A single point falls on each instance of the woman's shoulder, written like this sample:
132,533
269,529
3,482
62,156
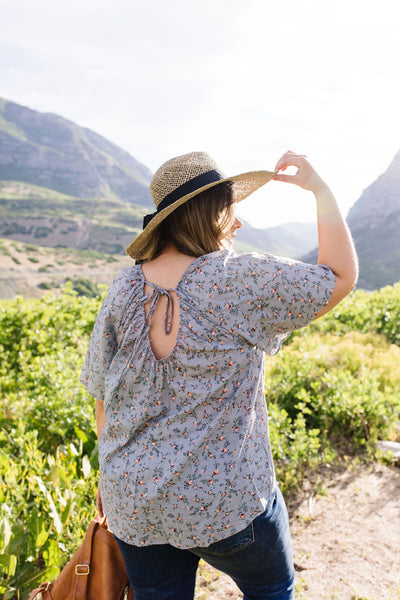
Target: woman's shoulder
232,261
125,283
232,271
128,275
253,270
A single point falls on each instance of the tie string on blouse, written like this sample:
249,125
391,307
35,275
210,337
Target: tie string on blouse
154,297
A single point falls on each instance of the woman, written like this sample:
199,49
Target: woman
176,364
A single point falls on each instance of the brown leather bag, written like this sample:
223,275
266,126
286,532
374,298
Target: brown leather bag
95,572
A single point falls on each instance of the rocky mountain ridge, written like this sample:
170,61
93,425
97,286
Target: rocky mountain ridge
375,224
380,199
374,221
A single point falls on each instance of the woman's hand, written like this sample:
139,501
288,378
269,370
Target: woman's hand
99,503
306,177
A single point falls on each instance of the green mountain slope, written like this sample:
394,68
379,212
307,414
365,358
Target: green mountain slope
47,150
41,216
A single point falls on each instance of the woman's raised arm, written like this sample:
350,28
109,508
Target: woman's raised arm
336,247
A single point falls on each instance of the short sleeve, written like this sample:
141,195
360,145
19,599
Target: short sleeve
279,296
103,346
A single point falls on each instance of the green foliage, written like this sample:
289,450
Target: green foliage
85,287
333,395
48,463
333,389
45,501
295,447
42,344
338,380
46,285
366,312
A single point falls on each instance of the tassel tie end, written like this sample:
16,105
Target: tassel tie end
154,297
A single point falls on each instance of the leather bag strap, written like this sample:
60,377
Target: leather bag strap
82,569
44,587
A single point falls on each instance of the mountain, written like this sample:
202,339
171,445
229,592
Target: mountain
63,185
374,221
49,151
290,239
71,202
37,215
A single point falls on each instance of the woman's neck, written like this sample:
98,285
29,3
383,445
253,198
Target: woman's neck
167,268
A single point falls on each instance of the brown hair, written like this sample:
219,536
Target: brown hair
194,228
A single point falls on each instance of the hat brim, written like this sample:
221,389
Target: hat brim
243,185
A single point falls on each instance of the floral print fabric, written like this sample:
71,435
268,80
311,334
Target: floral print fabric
184,455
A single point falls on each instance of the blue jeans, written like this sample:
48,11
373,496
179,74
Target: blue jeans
258,559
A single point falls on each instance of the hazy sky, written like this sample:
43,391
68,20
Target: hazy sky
244,81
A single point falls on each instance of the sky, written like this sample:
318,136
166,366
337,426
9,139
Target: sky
244,81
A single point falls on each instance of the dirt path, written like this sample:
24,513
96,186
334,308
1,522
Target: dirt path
346,541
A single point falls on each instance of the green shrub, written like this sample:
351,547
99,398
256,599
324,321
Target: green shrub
46,500
347,388
48,464
295,447
85,287
366,312
46,285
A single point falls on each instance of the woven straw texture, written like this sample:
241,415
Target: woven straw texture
181,169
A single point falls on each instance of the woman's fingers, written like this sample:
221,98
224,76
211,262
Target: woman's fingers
286,178
290,159
305,176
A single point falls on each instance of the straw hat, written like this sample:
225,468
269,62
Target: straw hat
183,177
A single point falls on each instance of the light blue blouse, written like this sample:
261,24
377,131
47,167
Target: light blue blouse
184,455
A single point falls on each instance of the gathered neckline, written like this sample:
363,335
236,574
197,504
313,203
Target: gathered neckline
168,315
192,265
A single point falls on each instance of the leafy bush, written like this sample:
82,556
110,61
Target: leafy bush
48,465
295,447
345,389
42,344
366,312
46,500
46,285
86,287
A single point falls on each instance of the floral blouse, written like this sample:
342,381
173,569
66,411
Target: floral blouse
184,454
